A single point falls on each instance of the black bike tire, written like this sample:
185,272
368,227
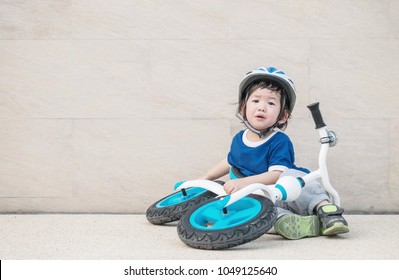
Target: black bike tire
161,215
227,238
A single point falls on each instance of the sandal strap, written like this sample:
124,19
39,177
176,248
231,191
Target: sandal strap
329,210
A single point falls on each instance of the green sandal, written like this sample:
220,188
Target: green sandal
331,220
292,226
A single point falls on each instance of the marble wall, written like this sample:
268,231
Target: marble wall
104,104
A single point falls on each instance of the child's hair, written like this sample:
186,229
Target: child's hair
274,87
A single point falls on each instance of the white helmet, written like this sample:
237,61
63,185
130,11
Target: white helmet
271,74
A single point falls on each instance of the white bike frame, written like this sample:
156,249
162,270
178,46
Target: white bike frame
287,188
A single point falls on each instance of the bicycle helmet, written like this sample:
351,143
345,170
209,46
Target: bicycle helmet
271,74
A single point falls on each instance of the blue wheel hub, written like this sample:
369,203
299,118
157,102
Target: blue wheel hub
179,197
212,217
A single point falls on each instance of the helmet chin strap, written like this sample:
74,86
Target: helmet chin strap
260,133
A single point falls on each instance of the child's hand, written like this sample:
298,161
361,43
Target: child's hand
233,185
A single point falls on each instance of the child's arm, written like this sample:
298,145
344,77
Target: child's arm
221,169
267,178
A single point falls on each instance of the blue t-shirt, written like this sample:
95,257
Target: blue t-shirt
252,158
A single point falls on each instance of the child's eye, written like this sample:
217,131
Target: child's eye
272,103
255,101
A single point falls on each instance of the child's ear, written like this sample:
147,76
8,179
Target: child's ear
284,117
242,109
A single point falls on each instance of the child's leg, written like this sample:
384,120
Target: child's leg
311,195
313,199
293,219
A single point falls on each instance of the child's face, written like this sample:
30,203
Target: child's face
263,108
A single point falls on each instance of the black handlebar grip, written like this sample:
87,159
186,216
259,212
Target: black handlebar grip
318,119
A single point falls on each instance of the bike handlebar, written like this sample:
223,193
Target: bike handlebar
318,119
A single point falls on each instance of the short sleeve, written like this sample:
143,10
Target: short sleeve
282,155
